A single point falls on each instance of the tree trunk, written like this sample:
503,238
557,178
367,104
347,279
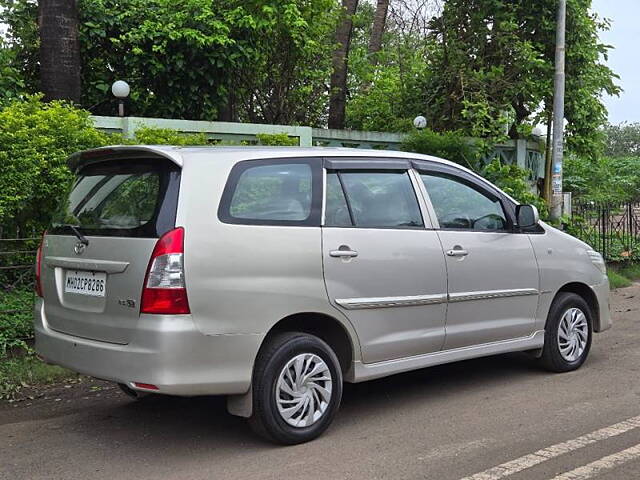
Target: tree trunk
379,21
338,93
59,50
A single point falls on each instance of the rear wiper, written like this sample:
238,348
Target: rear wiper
78,234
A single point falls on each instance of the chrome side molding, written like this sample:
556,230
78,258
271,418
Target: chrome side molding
388,302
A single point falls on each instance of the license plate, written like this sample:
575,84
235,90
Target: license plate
85,283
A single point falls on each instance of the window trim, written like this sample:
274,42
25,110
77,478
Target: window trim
431,168
317,192
371,167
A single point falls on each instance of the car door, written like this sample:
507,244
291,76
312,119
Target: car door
383,269
491,268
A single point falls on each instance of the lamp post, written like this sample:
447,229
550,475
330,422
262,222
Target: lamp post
120,90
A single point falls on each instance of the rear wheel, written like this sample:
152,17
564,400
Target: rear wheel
568,333
297,388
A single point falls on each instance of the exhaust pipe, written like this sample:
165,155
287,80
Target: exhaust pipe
131,392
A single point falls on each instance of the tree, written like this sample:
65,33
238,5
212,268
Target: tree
622,140
388,94
287,81
257,60
496,60
59,50
379,21
338,85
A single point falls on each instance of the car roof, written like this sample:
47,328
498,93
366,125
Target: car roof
233,154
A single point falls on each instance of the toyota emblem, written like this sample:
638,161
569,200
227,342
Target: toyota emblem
79,248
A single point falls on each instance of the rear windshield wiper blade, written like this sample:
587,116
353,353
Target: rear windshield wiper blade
78,234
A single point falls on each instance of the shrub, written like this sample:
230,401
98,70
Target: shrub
16,318
166,136
449,145
281,139
35,140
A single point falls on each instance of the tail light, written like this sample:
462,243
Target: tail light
38,285
164,291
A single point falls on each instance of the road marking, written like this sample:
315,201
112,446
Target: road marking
532,459
605,463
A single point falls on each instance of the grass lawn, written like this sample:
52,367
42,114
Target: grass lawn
25,371
622,275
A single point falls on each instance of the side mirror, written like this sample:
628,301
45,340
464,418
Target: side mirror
527,216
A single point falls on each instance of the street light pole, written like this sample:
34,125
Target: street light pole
558,113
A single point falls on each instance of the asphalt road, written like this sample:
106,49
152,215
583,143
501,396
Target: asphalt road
494,418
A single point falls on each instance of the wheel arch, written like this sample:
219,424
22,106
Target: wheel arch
588,295
325,327
328,328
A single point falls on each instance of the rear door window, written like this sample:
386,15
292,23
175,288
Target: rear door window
375,199
136,198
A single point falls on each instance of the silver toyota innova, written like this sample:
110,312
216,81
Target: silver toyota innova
273,275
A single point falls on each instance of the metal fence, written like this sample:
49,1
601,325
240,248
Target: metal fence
611,229
17,258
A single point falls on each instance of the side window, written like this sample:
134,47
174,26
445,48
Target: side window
460,206
375,199
267,193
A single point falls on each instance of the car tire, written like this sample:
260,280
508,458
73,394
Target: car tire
290,403
568,333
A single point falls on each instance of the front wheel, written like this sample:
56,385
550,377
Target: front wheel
297,388
568,333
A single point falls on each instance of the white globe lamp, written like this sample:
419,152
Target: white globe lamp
120,90
420,122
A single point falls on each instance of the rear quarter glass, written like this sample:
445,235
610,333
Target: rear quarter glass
121,198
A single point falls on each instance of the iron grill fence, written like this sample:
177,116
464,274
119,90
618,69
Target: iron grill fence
17,275
611,229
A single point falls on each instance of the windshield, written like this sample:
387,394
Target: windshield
124,198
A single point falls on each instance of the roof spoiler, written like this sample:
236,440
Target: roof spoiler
115,152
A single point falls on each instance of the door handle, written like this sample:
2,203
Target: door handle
344,252
457,252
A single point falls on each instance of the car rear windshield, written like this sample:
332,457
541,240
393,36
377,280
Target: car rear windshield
125,198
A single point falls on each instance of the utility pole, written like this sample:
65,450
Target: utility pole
558,113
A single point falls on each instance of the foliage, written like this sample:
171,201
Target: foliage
495,58
21,45
277,139
12,83
35,140
385,95
602,179
448,145
16,318
513,180
259,60
622,140
26,371
617,280
166,136
629,270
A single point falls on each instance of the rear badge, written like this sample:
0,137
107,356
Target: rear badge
79,248
127,302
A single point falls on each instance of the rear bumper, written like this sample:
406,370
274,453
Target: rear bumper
166,351
602,294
